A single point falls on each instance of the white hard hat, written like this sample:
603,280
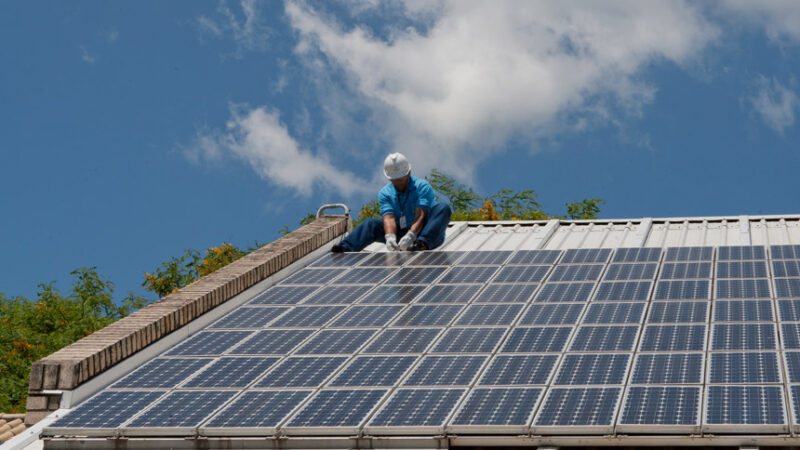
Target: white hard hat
396,166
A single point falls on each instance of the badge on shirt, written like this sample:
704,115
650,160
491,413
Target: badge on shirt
403,222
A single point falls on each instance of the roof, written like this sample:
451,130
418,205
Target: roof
11,425
375,338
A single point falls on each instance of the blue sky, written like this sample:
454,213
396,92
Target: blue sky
131,131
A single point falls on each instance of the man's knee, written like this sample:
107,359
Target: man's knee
442,209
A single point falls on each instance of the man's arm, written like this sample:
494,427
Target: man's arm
389,224
419,221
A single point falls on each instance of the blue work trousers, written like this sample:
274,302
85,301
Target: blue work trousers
371,230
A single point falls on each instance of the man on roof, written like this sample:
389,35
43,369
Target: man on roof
411,219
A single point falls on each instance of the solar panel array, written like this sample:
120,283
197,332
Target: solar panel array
582,341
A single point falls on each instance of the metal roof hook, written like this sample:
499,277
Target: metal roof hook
346,214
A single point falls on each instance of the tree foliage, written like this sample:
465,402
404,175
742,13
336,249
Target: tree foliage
177,272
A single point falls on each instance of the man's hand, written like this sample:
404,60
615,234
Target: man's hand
407,240
391,242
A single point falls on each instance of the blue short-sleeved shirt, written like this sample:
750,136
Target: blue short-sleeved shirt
418,194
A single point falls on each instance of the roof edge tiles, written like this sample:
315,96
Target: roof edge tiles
86,358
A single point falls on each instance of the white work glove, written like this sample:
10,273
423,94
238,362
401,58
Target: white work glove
407,240
391,242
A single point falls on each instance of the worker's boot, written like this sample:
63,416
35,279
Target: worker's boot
418,246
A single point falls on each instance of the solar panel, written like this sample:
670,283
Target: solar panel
436,258
271,342
208,343
339,259
393,294
469,274
184,409
689,254
605,338
428,315
790,335
445,371
519,369
743,310
586,255
785,251
565,292
335,341
661,405
624,272
623,290
535,257
392,259
792,366
283,295
328,295
374,371
683,290
345,409
486,257
614,313
403,340
365,275
501,407
668,368
415,408
752,288
749,336
244,317
605,368
258,409
236,372
578,409
637,254
751,367
308,316
469,340
789,310
685,270
300,372
506,293
673,338
367,316
787,268
741,252
744,405
162,373
742,269
787,287
312,276
108,409
490,314
450,293
578,272
416,275
536,340
667,312
521,274
551,314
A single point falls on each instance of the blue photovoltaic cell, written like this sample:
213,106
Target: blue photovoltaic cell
258,409
486,257
593,368
661,405
733,405
490,314
450,293
685,270
604,338
789,310
689,254
374,371
787,268
637,254
209,343
506,293
521,274
623,290
329,295
579,406
741,252
469,274
162,373
785,251
469,340
393,294
272,342
614,313
365,275
312,276
535,257
403,340
682,290
246,317
283,295
445,371
498,406
579,272
742,269
752,288
748,336
428,315
235,372
551,314
108,409
667,312
586,255
308,316
383,259
182,409
751,367
536,340
792,366
336,341
668,368
416,275
418,407
337,408
624,272
367,316
790,335
436,258
565,292
673,338
519,369
339,260
298,372
787,287
743,310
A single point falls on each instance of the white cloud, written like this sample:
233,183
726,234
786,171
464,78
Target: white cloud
111,36
245,28
87,57
476,74
779,18
775,103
